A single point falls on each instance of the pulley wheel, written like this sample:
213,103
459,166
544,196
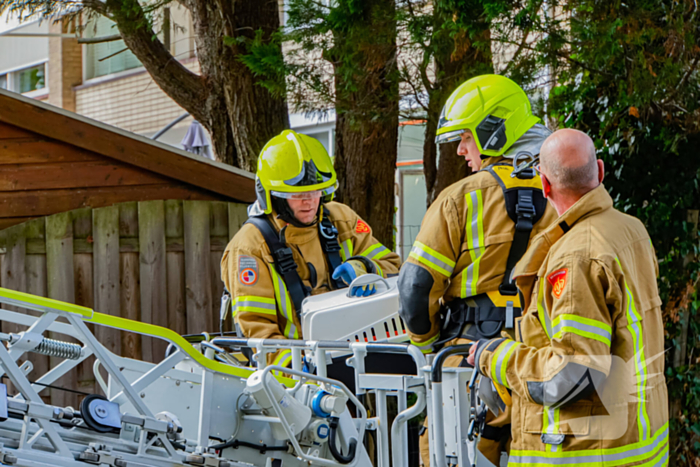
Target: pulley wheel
91,408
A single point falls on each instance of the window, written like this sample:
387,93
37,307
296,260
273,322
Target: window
107,58
31,79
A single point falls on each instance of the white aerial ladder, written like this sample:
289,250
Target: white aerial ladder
200,406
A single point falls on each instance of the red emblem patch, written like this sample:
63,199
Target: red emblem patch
361,227
558,281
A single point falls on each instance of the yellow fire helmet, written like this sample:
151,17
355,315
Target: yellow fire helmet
493,107
293,165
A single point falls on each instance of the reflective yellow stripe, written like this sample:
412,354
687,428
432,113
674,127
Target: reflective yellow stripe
542,311
635,328
376,251
425,347
475,223
284,303
379,269
254,304
585,327
499,361
431,258
652,452
470,278
550,425
284,357
346,249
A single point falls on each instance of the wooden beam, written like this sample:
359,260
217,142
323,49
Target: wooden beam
75,175
129,148
35,150
47,202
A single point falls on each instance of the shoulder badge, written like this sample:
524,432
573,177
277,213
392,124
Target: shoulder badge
247,270
361,227
558,281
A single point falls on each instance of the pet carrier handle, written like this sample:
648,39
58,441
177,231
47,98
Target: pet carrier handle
366,279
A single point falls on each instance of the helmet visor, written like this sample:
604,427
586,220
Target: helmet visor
315,194
449,137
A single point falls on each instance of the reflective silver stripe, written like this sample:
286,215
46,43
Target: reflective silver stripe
290,329
552,425
381,248
471,274
502,352
254,303
587,328
417,251
476,215
646,450
346,249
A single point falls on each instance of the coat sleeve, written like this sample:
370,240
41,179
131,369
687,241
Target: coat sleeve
575,304
358,242
425,276
253,302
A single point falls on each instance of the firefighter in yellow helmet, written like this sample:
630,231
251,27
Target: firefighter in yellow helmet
296,242
456,283
586,368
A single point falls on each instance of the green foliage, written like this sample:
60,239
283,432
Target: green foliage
627,75
264,58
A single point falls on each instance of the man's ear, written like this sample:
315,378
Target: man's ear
546,186
601,170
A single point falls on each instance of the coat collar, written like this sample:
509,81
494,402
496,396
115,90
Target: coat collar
592,203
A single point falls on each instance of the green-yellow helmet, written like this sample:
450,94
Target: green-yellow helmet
293,165
493,107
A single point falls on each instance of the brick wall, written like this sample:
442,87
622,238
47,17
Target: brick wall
129,100
65,68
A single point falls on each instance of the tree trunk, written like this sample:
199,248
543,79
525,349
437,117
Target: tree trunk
367,98
240,115
457,59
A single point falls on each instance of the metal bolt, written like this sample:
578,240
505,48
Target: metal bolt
120,463
143,394
177,382
100,411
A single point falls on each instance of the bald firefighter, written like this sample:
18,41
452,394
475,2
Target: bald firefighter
456,283
586,369
297,242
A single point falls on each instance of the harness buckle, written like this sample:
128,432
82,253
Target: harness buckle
285,260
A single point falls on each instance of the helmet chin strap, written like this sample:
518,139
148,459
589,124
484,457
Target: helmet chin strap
284,212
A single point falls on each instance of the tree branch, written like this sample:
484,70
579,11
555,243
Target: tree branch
185,87
98,40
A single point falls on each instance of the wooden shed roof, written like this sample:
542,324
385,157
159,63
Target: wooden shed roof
60,137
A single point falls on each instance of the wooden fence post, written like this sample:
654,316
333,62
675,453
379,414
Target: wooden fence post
105,231
61,286
129,274
197,266
154,303
35,269
175,263
84,288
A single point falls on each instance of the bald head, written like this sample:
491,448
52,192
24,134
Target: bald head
568,160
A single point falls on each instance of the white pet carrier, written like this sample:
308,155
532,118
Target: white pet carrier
337,316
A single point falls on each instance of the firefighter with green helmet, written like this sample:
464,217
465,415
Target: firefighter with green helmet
456,284
297,242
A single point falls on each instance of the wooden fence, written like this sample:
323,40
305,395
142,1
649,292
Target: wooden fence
152,261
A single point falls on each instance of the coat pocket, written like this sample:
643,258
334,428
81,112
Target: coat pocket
574,419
